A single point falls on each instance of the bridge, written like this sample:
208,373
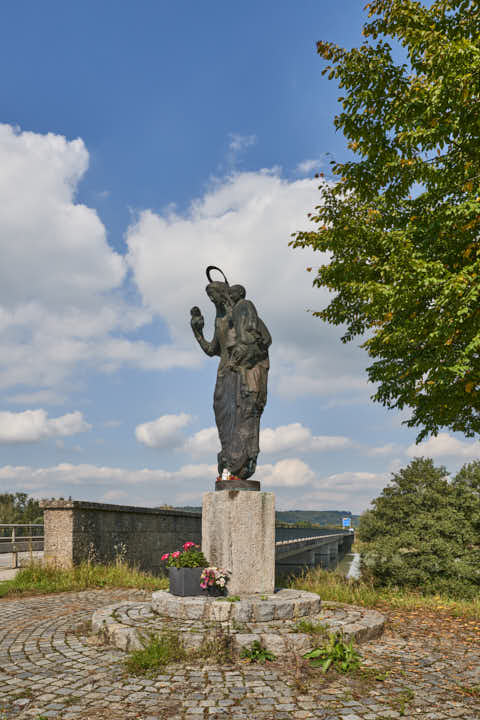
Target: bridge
295,548
324,550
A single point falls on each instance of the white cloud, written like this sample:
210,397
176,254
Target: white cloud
341,491
238,142
163,432
382,450
33,425
43,230
285,473
295,484
306,166
57,479
203,442
299,438
285,438
61,301
38,397
243,225
445,445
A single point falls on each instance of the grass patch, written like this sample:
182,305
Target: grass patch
158,651
38,579
167,648
335,587
311,628
217,647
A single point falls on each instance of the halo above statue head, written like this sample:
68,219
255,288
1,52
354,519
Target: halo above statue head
214,267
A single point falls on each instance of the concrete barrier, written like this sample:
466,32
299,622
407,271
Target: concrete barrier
76,531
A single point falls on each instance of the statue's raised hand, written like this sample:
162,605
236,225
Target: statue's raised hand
197,322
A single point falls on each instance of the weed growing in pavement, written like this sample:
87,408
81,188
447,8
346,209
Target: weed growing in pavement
336,654
256,653
217,647
472,690
239,627
403,699
229,598
35,579
307,626
158,651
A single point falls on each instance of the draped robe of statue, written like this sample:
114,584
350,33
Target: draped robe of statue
241,340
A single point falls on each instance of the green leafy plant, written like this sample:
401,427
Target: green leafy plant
189,556
229,598
256,653
307,626
422,530
336,653
398,223
157,652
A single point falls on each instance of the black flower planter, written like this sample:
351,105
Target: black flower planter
185,581
214,591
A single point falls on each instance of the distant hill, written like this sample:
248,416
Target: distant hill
310,517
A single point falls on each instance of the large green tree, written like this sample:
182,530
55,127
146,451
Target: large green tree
19,508
401,223
424,530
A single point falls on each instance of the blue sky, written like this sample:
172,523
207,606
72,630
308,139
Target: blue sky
139,143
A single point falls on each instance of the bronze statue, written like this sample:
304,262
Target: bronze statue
241,340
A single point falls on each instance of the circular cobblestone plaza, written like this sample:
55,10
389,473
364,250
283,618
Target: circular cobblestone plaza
52,666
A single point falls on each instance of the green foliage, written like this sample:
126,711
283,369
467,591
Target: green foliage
423,531
19,508
37,579
157,652
334,587
192,557
307,626
336,653
256,653
400,228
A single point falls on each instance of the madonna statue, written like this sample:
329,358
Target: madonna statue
241,340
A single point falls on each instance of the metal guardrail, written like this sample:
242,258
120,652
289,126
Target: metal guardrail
310,539
16,542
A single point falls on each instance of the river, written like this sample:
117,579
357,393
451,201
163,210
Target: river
350,566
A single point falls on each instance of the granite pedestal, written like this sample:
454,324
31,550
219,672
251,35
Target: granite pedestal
238,534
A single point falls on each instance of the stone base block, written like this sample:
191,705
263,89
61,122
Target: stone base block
238,534
128,624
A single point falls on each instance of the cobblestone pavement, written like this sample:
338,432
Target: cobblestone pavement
424,669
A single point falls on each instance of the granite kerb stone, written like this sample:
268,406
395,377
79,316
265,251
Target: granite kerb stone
250,608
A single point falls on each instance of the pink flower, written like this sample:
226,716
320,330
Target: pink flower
176,554
188,545
165,557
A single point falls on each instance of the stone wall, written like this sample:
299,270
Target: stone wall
77,531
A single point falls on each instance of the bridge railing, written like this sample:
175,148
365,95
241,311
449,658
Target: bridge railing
14,539
311,539
325,549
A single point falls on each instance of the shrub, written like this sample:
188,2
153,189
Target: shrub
423,531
